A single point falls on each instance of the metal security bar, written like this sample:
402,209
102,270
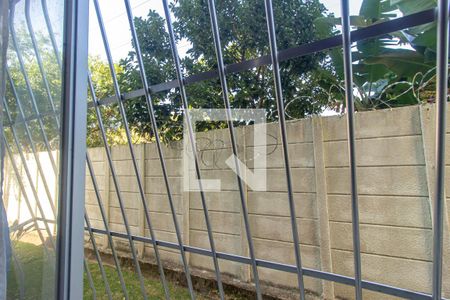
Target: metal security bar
345,40
346,44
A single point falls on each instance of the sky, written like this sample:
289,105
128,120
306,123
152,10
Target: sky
117,27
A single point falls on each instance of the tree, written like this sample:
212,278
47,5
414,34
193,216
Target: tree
244,36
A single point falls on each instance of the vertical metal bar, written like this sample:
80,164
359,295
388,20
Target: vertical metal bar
226,100
117,187
180,79
25,195
29,88
284,140
90,280
94,181
29,138
39,59
50,32
20,277
69,282
346,44
441,125
97,254
30,180
105,223
151,113
131,148
24,161
43,176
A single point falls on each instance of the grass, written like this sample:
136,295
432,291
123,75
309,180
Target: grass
38,279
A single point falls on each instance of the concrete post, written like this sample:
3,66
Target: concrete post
140,151
245,268
322,206
428,126
106,197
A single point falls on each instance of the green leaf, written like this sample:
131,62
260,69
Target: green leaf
403,62
412,6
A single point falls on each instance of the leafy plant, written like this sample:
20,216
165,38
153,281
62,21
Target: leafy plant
394,69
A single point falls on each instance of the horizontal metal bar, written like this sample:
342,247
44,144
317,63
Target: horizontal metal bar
368,285
401,23
20,226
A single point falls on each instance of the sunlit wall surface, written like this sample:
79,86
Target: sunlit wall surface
31,120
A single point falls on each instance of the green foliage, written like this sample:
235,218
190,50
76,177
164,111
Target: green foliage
390,70
53,76
243,36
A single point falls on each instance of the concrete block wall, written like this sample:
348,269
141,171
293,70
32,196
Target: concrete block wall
395,180
395,159
395,169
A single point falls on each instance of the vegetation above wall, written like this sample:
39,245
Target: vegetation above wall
391,70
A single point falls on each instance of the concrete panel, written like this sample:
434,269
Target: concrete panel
130,200
165,255
283,252
156,185
303,180
93,212
380,123
99,167
224,243
90,197
97,154
412,243
160,203
228,179
300,155
397,151
276,204
174,167
298,131
116,216
404,273
221,222
126,184
404,180
100,183
171,150
121,152
163,221
217,139
119,227
125,167
280,229
289,280
226,201
215,158
383,210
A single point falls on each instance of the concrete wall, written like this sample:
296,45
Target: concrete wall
395,158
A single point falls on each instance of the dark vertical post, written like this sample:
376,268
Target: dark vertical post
346,44
441,120
69,283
